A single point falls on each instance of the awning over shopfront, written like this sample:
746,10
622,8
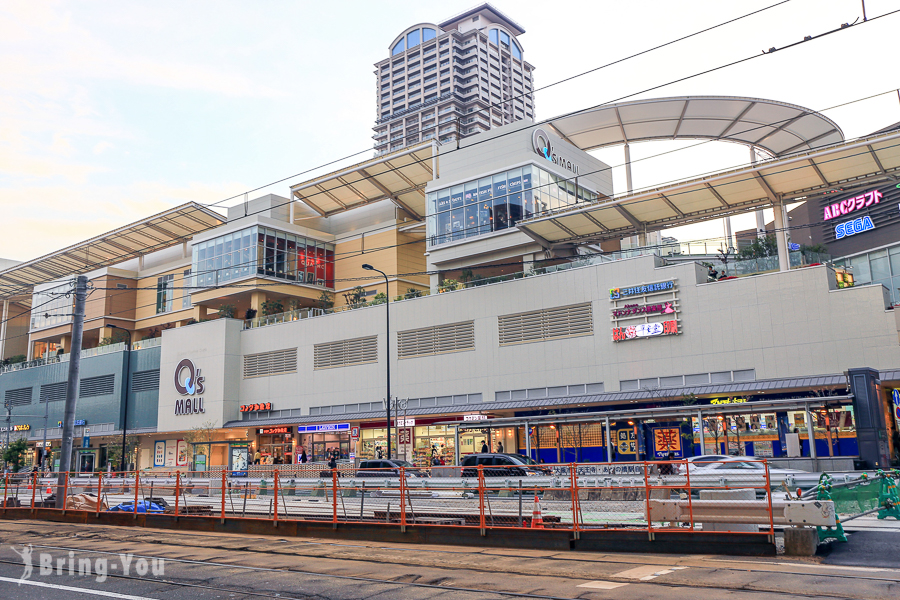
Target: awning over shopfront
778,128
400,177
855,163
160,231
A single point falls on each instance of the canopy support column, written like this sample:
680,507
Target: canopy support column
608,441
784,259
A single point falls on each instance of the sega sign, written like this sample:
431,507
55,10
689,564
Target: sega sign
853,227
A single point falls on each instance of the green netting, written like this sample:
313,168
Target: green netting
856,499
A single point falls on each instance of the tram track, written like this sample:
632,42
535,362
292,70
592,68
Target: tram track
701,585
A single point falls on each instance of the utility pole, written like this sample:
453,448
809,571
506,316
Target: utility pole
65,452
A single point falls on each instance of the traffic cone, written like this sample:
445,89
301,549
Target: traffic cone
537,521
49,490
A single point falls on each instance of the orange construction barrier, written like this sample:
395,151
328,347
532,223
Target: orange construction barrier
537,520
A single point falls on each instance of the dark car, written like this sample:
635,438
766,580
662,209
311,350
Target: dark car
387,468
502,465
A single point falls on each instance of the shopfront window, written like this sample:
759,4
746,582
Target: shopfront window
57,306
498,202
276,448
263,251
373,443
318,446
435,441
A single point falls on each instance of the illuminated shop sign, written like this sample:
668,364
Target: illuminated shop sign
323,428
474,417
256,407
616,293
728,401
853,227
845,207
636,321
636,309
271,430
16,428
540,141
77,423
633,332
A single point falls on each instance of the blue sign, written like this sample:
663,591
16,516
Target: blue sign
323,428
86,441
853,227
793,247
78,422
895,395
616,293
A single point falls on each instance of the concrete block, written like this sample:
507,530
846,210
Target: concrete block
800,541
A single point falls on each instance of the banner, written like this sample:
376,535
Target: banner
667,440
159,453
181,453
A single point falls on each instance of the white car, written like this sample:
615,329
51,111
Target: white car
734,466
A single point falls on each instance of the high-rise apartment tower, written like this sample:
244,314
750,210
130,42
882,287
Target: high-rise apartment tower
459,77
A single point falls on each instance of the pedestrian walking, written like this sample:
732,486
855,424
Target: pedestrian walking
500,447
484,447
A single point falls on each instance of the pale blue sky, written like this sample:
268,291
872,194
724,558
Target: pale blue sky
110,111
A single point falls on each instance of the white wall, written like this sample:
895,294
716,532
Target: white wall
780,324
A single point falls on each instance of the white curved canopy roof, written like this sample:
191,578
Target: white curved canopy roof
865,161
778,128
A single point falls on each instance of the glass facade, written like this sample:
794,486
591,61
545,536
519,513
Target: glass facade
262,251
165,293
57,310
879,266
497,202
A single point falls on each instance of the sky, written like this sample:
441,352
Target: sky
111,111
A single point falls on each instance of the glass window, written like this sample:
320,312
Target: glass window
516,51
443,228
432,203
471,222
527,195
514,187
504,38
881,268
398,48
457,223
493,36
456,196
443,200
501,215
186,291
412,39
861,272
895,260
165,294
428,34
470,195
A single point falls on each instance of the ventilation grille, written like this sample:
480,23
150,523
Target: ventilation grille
20,396
145,381
97,386
345,353
265,364
456,337
548,324
54,392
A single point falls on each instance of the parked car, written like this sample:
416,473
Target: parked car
504,465
388,468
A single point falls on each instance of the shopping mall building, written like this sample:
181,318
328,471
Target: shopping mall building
514,319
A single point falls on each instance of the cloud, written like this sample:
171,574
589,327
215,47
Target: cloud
102,147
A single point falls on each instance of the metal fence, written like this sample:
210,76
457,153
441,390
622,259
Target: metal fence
648,496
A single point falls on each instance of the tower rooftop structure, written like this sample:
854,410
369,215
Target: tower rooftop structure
452,79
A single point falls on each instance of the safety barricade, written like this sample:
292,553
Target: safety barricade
638,496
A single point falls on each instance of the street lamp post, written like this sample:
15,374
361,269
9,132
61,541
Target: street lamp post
387,312
125,395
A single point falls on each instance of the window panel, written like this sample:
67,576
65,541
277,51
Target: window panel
493,36
412,39
501,214
427,34
398,48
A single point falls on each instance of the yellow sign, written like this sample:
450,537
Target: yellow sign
728,401
666,440
626,441
23,427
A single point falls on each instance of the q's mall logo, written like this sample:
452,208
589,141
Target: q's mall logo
540,141
188,382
